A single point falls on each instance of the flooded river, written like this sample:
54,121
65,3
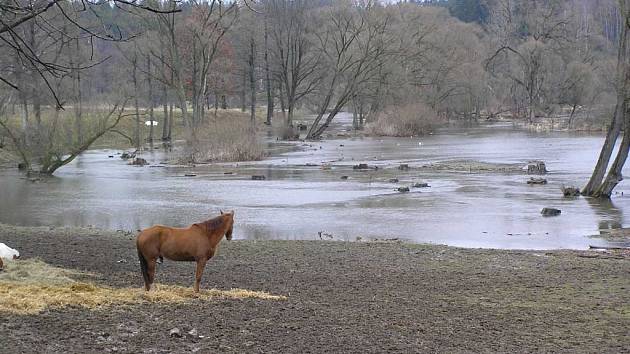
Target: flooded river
298,201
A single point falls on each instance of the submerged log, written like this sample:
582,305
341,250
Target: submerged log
609,247
258,178
420,185
533,180
550,212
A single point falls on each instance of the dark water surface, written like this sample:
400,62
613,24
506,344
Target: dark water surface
490,209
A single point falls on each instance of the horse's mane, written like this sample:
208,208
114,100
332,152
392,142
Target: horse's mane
212,224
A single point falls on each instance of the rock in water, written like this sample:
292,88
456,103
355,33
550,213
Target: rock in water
403,189
403,167
420,185
550,212
393,180
571,191
259,178
533,180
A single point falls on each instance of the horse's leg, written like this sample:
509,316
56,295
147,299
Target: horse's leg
151,271
201,264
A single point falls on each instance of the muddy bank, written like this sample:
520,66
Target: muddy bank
350,297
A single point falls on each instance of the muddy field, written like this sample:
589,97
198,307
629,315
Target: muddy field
342,297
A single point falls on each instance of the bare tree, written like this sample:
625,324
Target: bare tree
598,186
295,62
354,47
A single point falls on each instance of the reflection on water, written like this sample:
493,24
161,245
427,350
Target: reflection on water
297,201
610,217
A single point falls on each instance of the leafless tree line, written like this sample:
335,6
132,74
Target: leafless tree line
180,61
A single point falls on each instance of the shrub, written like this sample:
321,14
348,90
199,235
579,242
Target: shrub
228,139
407,120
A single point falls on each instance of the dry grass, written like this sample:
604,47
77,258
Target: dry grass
227,138
31,286
407,120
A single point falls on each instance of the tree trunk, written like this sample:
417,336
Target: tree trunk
270,102
618,118
243,91
150,99
614,174
571,116
134,77
252,83
78,107
165,121
171,119
283,107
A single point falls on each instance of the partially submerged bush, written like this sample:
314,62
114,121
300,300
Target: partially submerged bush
407,120
226,140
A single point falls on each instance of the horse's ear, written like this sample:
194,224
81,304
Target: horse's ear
221,211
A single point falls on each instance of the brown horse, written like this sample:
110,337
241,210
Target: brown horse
196,243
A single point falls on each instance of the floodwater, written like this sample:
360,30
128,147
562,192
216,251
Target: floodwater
296,201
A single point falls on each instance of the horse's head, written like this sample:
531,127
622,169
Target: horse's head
229,219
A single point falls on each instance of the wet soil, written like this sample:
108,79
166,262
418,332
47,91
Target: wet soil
342,297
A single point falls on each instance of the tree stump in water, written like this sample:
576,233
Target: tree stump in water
403,167
571,191
139,161
393,180
536,168
127,155
403,189
361,166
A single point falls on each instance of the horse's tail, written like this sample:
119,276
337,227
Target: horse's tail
143,266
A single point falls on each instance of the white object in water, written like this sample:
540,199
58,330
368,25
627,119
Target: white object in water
148,123
7,252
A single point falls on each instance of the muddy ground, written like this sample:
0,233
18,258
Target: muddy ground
342,297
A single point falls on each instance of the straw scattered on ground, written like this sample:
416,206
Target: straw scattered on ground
32,286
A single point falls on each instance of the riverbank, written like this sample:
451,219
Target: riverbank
341,296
